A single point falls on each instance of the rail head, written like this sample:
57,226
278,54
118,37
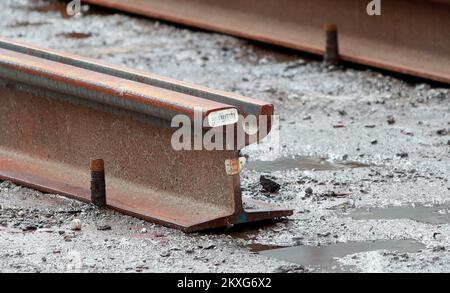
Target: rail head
245,105
149,95
103,89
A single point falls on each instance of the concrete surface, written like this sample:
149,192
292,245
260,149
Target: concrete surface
339,114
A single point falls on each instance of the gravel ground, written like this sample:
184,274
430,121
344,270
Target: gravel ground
397,132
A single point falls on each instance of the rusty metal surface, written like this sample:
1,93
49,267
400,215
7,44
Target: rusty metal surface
410,37
245,105
56,117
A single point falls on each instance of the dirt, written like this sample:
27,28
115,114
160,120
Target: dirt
336,113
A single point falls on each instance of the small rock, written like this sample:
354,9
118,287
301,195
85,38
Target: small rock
67,238
342,112
448,142
339,126
21,213
209,247
443,132
374,142
269,185
439,248
165,254
29,228
406,132
403,155
75,225
295,65
103,228
309,191
391,120
143,230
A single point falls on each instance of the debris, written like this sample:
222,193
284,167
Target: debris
338,126
165,254
342,112
443,132
103,227
143,231
75,225
269,185
70,212
403,155
295,65
391,120
68,238
436,234
29,228
370,126
439,248
212,246
374,142
406,132
332,193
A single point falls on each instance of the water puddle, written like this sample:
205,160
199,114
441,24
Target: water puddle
325,257
439,214
302,164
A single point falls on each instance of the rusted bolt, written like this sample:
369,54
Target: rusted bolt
98,186
332,45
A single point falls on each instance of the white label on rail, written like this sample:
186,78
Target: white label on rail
223,117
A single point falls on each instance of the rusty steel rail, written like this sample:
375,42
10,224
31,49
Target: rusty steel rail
60,111
410,36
